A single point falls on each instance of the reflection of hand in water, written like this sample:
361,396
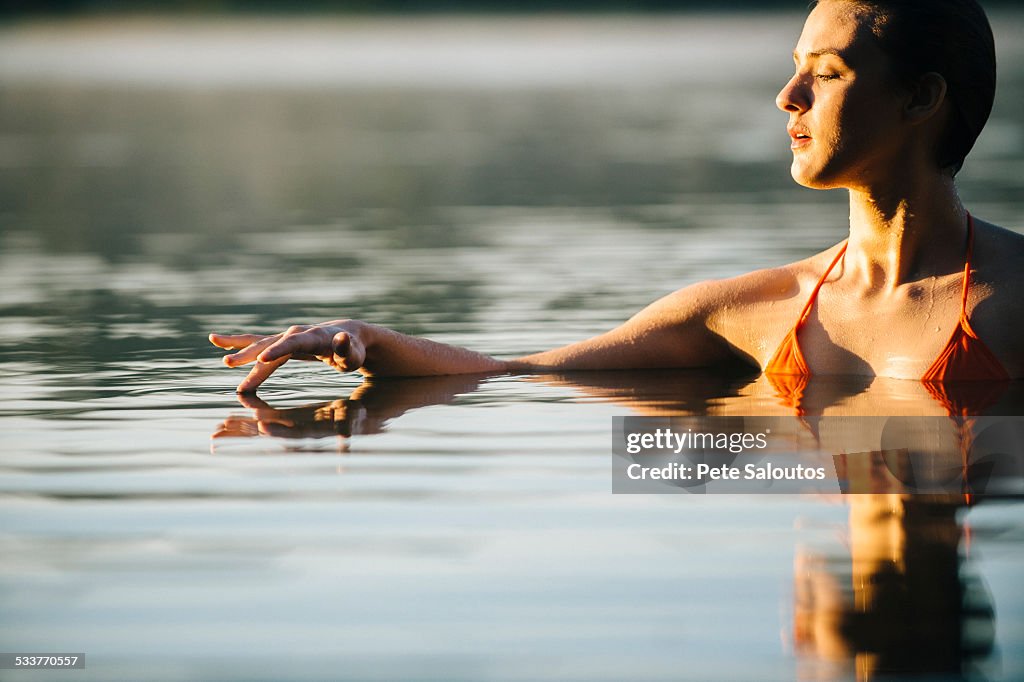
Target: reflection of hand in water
342,417
368,410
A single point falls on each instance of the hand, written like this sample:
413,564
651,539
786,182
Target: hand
340,344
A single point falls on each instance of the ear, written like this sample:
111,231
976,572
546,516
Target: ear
926,97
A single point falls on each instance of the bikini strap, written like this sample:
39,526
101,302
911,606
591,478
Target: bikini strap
814,294
965,288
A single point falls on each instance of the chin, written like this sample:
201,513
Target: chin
813,178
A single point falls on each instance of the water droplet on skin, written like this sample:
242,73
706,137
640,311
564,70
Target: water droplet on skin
936,329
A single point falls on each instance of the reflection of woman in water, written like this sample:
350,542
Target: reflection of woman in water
899,602
887,98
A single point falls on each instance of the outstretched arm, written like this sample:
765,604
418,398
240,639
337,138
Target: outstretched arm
671,332
350,345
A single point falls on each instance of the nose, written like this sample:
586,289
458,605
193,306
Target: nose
794,96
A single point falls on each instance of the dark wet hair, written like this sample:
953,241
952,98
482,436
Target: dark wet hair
949,37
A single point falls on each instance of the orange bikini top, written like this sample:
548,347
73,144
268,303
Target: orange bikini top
964,358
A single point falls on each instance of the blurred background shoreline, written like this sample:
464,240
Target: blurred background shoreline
405,7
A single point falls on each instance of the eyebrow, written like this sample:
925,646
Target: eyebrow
819,53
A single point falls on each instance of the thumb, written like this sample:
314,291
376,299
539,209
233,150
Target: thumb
349,351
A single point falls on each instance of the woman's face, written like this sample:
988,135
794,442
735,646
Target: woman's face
845,116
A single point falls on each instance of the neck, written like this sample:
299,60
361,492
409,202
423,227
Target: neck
903,234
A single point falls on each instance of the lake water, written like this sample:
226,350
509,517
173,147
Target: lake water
504,184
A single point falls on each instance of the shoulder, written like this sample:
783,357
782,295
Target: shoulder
998,252
746,307
770,285
998,268
996,306
740,316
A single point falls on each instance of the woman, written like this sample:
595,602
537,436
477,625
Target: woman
887,98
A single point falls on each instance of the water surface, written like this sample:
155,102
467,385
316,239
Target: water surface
505,185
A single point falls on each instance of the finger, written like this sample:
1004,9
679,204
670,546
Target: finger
341,344
237,427
251,352
235,341
275,430
259,373
305,343
253,401
361,391
277,420
251,345
349,351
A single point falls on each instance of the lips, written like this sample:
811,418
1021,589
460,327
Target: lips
800,136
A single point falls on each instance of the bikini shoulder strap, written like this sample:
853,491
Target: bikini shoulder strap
814,294
966,286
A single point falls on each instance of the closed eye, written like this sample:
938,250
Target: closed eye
826,76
